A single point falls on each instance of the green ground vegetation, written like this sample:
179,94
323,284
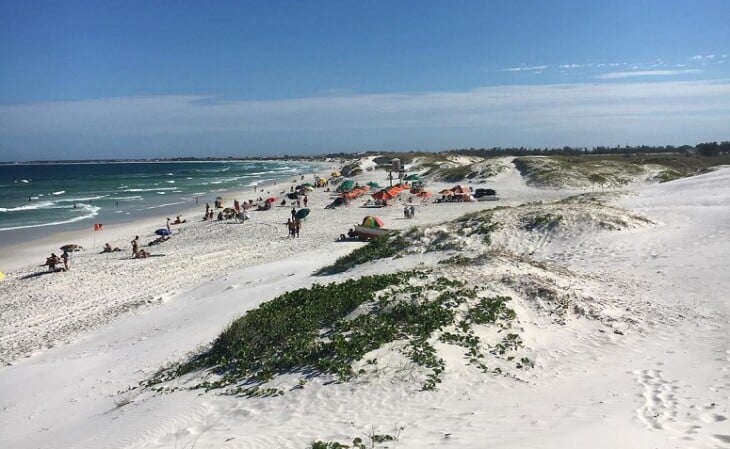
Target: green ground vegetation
326,328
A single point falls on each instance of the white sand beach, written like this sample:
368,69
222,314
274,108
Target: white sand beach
640,358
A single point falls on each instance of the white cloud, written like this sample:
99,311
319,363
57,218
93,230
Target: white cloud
637,73
526,69
702,57
530,115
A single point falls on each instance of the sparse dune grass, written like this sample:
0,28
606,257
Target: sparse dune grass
611,171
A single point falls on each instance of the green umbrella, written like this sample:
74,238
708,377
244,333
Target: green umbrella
412,178
374,185
346,186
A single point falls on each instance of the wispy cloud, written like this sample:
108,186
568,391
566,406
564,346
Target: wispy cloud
702,57
534,68
529,115
638,73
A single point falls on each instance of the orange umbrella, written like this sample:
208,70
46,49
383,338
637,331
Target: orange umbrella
383,195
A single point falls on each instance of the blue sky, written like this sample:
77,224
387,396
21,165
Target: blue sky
103,79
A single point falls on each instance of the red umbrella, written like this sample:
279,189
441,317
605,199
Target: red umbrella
271,200
383,195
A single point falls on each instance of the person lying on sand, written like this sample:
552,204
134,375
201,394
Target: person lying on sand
158,240
108,249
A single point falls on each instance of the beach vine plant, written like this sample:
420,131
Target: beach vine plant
377,248
326,328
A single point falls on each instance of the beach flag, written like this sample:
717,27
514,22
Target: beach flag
98,226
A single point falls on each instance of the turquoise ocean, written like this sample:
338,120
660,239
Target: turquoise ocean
62,196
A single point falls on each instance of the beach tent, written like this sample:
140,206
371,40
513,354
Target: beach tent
372,222
301,214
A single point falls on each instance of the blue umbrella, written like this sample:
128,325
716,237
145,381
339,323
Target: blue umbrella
163,231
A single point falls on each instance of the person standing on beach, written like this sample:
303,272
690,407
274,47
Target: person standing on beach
412,212
65,258
135,245
306,200
297,226
293,213
167,225
290,227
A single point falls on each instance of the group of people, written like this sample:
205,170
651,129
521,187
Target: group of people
294,226
409,211
54,261
137,252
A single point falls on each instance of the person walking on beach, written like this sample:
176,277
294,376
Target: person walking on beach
135,245
65,258
306,200
297,226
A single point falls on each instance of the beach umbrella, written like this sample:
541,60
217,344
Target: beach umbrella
71,247
162,231
412,178
346,186
383,195
446,192
372,222
301,214
374,185
271,200
307,184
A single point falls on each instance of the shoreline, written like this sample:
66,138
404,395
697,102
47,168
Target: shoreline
22,247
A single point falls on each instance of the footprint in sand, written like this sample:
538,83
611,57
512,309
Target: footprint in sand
660,404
